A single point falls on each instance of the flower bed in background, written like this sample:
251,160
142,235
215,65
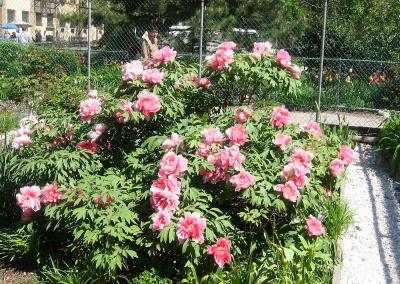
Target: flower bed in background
165,173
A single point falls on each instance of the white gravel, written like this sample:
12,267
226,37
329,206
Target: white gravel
371,247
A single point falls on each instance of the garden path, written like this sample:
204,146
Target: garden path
357,119
371,247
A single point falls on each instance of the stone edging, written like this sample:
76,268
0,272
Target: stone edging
337,272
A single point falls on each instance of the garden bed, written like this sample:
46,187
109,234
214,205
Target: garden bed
111,184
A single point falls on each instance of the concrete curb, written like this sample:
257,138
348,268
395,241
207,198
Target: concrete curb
337,272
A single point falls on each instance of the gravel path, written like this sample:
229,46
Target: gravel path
371,247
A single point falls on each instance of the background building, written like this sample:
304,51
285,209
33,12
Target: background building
45,15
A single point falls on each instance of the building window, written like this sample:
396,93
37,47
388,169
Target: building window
10,16
62,24
72,24
50,20
62,30
25,16
38,19
72,31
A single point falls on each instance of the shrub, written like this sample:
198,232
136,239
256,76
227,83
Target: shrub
104,171
20,60
389,141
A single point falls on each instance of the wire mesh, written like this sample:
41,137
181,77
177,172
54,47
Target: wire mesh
360,71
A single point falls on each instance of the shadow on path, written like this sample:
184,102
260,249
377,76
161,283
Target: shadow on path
375,169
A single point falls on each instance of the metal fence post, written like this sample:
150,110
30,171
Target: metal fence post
89,35
201,36
322,63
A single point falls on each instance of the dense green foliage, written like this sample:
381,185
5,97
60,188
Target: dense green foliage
20,60
111,238
389,142
355,29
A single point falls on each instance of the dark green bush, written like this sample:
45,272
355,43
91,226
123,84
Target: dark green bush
389,141
17,60
10,54
150,277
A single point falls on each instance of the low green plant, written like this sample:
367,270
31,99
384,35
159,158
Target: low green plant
389,141
18,245
8,121
52,274
150,277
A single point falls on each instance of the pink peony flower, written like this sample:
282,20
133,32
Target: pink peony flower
314,129
260,48
227,45
153,76
288,190
172,164
202,83
221,251
300,181
20,141
212,135
164,55
70,132
126,105
242,114
221,59
89,108
283,58
237,134
314,226
346,154
328,192
203,150
50,193
92,147
148,103
161,220
120,118
295,70
214,176
294,169
191,226
170,184
124,112
131,70
280,116
22,131
282,140
173,142
27,215
303,157
92,94
242,180
104,203
227,157
163,200
336,167
96,132
28,198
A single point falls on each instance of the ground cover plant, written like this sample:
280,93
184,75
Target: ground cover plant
179,174
389,142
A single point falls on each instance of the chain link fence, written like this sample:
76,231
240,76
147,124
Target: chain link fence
360,72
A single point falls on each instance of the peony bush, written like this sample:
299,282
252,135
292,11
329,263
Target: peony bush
173,171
